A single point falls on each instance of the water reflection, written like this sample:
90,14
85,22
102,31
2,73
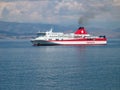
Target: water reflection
25,67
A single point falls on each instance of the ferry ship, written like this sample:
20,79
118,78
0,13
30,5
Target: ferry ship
79,37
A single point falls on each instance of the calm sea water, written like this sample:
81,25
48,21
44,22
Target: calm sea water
26,67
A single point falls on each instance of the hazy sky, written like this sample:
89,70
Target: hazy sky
103,12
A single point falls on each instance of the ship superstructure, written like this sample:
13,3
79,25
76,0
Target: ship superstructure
80,37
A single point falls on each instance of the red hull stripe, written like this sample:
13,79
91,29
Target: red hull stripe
77,40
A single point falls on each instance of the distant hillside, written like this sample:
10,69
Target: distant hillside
117,30
12,29
110,33
28,30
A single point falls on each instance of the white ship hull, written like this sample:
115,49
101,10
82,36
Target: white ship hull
44,42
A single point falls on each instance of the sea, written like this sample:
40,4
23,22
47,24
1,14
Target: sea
27,67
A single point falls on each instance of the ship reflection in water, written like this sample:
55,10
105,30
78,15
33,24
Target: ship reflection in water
24,67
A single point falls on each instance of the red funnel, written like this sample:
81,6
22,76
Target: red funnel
81,30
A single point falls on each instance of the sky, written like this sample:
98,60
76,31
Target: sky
63,12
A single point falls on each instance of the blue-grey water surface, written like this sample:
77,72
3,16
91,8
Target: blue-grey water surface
27,67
